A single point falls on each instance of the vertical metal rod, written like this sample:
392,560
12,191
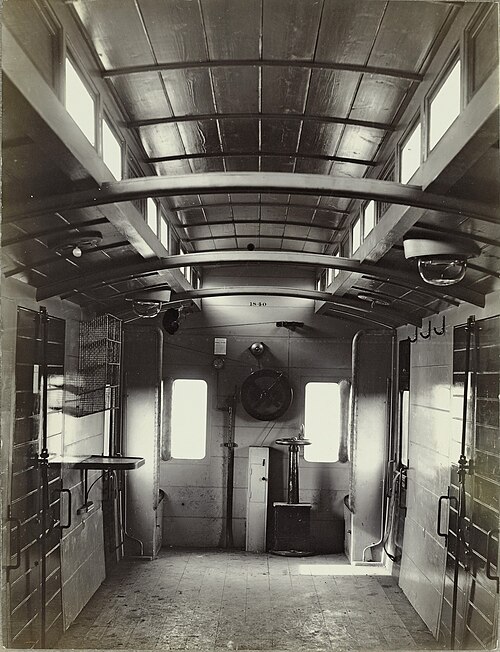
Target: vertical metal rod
462,470
293,474
43,462
230,475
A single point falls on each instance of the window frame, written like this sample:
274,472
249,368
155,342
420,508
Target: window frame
363,211
167,385
79,69
305,380
149,202
164,221
106,120
417,122
435,89
336,270
356,224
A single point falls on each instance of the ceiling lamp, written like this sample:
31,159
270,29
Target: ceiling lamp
148,303
440,263
146,308
76,243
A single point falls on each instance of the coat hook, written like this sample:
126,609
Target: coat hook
440,332
425,336
413,339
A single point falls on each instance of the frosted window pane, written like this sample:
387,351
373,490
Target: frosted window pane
164,232
444,108
368,218
336,271
410,155
189,419
152,212
111,151
322,422
356,235
79,102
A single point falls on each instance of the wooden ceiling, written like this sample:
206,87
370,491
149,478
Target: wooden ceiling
226,86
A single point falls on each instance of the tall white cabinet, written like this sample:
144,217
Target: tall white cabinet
258,473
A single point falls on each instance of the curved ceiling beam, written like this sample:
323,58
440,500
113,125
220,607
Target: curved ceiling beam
235,223
260,182
295,117
265,63
353,306
260,153
239,236
114,274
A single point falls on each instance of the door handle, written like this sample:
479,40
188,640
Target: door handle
68,524
489,575
440,508
11,519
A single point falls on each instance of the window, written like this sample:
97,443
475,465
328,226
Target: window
356,235
188,419
368,218
444,107
322,421
164,231
410,154
318,283
111,151
336,272
79,102
152,215
182,252
329,276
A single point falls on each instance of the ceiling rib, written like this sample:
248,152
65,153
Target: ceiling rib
308,225
237,204
295,117
238,236
369,292
33,265
238,257
55,231
204,155
428,289
265,63
262,182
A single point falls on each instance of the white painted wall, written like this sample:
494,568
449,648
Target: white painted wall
195,496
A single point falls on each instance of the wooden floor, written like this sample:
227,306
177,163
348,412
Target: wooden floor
215,600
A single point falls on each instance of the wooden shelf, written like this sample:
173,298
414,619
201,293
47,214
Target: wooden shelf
97,462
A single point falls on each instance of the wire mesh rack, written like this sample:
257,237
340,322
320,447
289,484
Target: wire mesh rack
99,362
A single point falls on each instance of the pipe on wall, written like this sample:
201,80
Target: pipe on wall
353,429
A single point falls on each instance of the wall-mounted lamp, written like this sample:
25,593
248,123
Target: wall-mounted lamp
171,320
257,349
439,262
76,243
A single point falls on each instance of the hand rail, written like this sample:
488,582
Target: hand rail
488,559
440,507
12,519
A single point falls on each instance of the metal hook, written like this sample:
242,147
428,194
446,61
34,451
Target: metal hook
440,332
413,339
428,334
